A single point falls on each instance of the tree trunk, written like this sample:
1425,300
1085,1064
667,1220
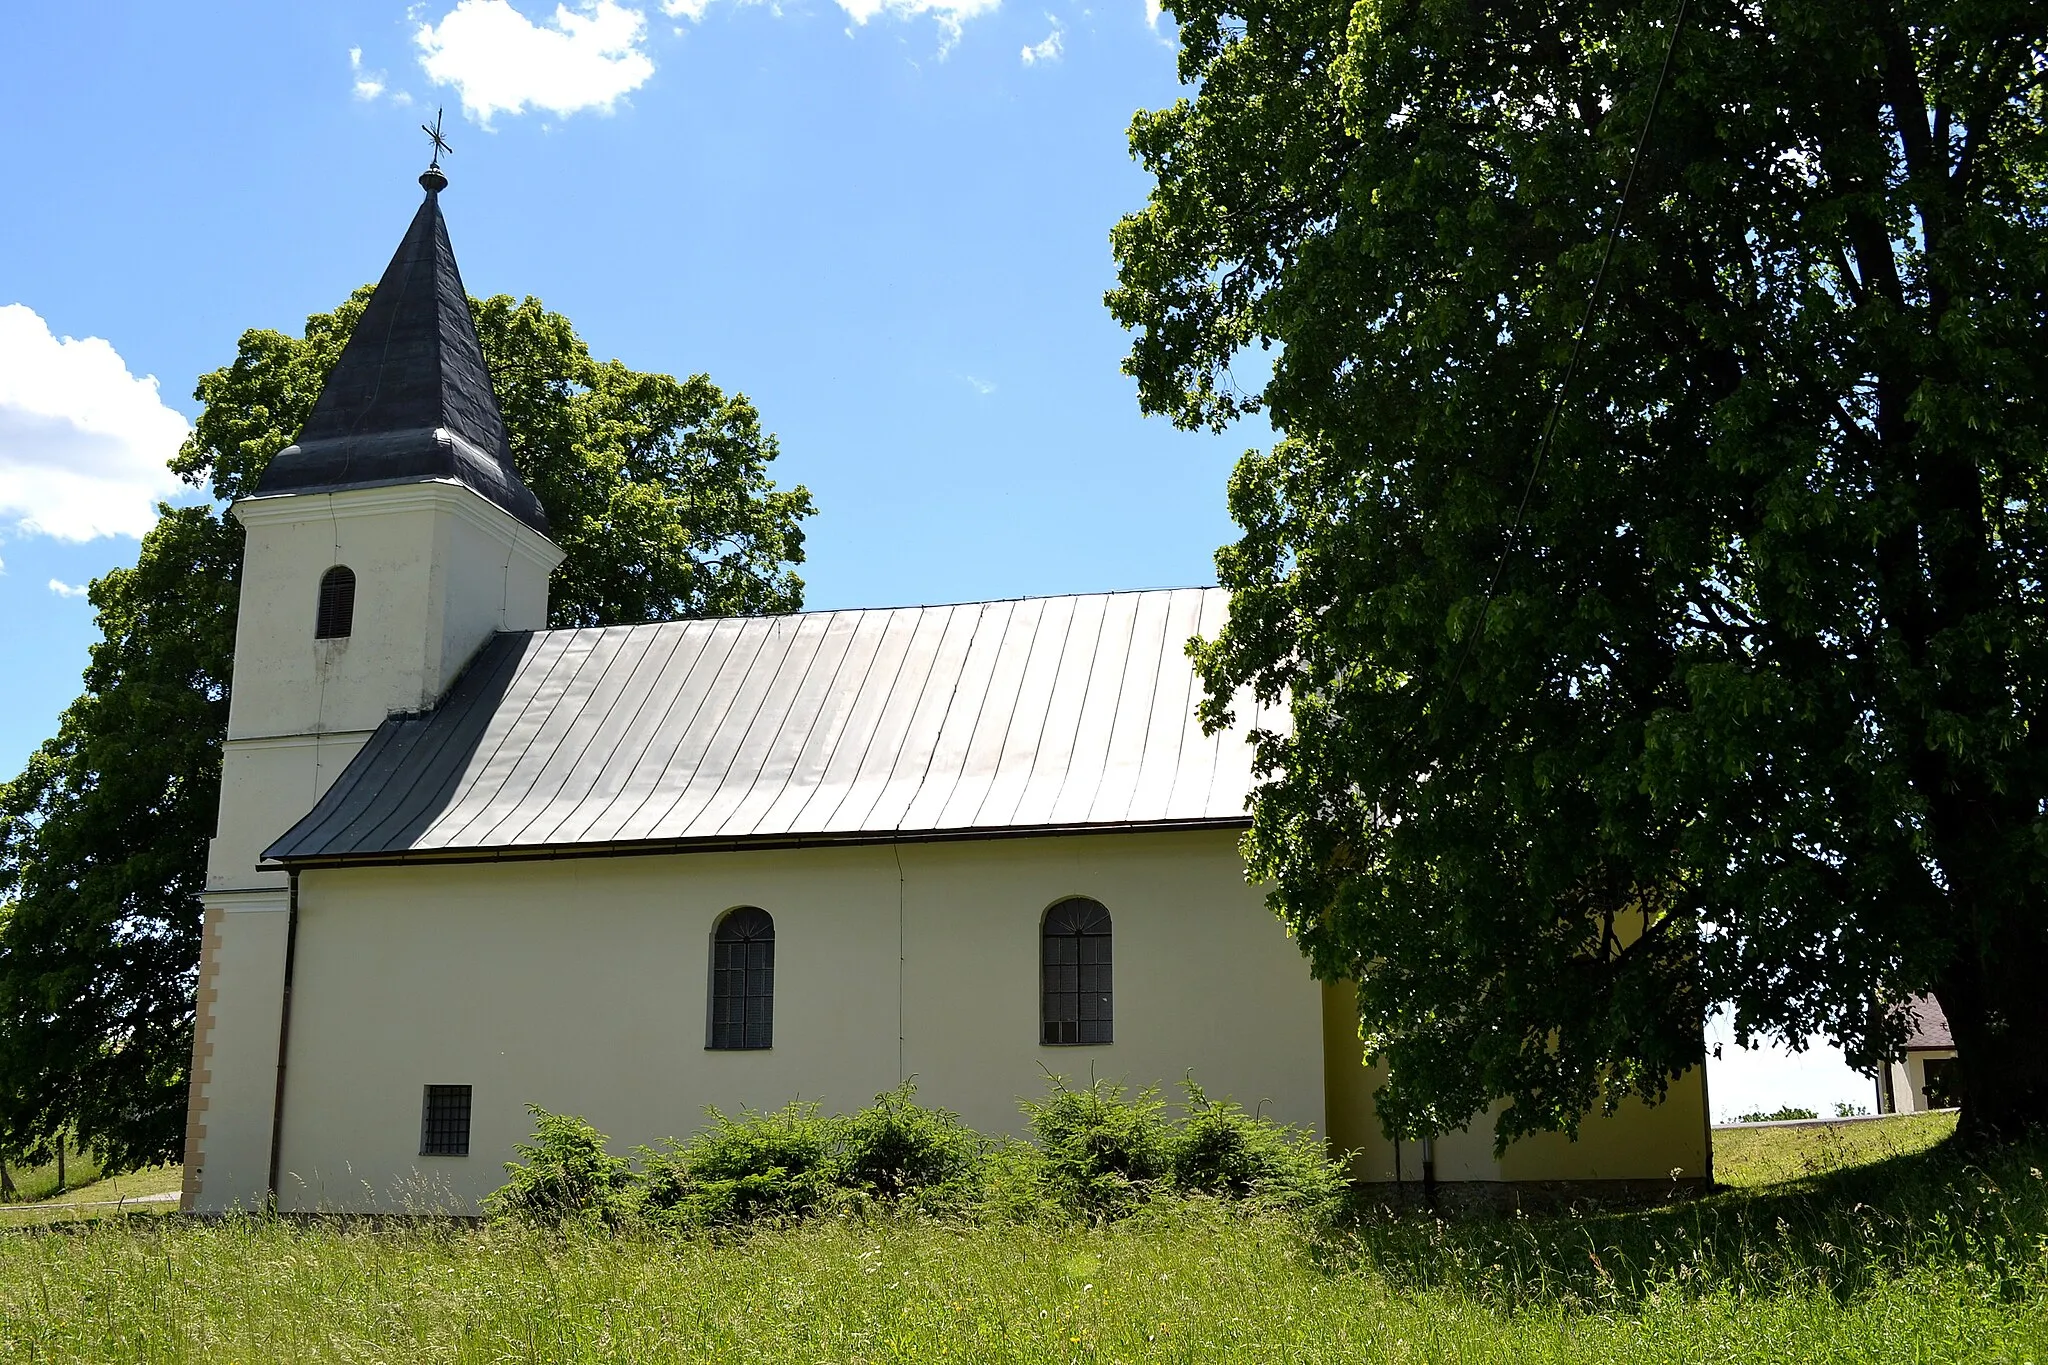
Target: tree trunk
7,1190
1996,1000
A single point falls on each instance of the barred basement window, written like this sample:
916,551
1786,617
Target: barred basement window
1075,997
743,981
444,1121
337,616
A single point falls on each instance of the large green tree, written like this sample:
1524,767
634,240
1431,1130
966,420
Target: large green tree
658,490
1748,704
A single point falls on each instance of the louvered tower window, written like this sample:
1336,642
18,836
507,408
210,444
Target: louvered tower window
337,617
743,980
1075,997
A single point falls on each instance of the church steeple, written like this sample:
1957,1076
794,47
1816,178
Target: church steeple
410,401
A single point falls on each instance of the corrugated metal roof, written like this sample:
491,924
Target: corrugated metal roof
1052,713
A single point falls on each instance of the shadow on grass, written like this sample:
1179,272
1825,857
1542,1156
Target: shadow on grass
1977,1218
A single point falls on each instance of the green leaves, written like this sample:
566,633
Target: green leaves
657,488
1754,711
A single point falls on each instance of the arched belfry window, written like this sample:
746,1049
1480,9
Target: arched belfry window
743,980
1074,997
337,616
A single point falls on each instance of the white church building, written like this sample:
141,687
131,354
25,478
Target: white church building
466,863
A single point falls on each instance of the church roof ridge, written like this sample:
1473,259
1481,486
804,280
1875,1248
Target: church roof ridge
898,606
410,400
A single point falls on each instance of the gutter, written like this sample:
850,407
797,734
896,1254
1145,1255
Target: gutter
733,844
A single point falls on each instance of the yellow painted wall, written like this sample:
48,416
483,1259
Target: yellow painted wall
1638,1142
582,986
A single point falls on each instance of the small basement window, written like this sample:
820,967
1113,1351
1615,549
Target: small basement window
337,616
444,1121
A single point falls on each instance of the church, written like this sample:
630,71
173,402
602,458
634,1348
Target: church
466,863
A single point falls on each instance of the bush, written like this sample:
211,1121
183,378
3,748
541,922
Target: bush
896,1148
740,1169
1220,1150
1778,1115
1102,1151
567,1175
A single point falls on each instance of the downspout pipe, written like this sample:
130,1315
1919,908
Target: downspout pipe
284,1038
1429,1173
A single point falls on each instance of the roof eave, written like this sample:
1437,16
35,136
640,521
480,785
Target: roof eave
734,844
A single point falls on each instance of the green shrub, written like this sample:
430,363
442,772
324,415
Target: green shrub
1102,1150
1220,1150
775,1165
1011,1185
567,1175
896,1148
1778,1115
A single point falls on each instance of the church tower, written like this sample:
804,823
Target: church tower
383,550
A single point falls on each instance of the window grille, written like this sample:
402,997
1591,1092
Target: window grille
743,981
444,1121
1075,998
337,615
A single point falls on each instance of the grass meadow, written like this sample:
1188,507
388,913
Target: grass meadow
1870,1242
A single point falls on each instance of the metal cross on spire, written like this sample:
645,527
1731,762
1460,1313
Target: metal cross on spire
440,143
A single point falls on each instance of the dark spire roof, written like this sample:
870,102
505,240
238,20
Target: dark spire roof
410,399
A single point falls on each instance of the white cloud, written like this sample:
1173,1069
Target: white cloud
1047,51
984,387
1153,10
369,84
82,441
500,61
949,13
63,589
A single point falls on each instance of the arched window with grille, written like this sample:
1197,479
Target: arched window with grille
336,618
743,981
1075,999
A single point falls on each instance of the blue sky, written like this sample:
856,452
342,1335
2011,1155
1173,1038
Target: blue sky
886,221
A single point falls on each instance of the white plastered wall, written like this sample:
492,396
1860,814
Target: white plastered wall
581,985
439,569
234,1064
1909,1079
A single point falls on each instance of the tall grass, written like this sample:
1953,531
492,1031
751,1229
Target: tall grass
1181,1282
1929,1257
1748,1157
32,1183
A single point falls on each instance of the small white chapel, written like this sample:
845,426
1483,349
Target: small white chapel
466,863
